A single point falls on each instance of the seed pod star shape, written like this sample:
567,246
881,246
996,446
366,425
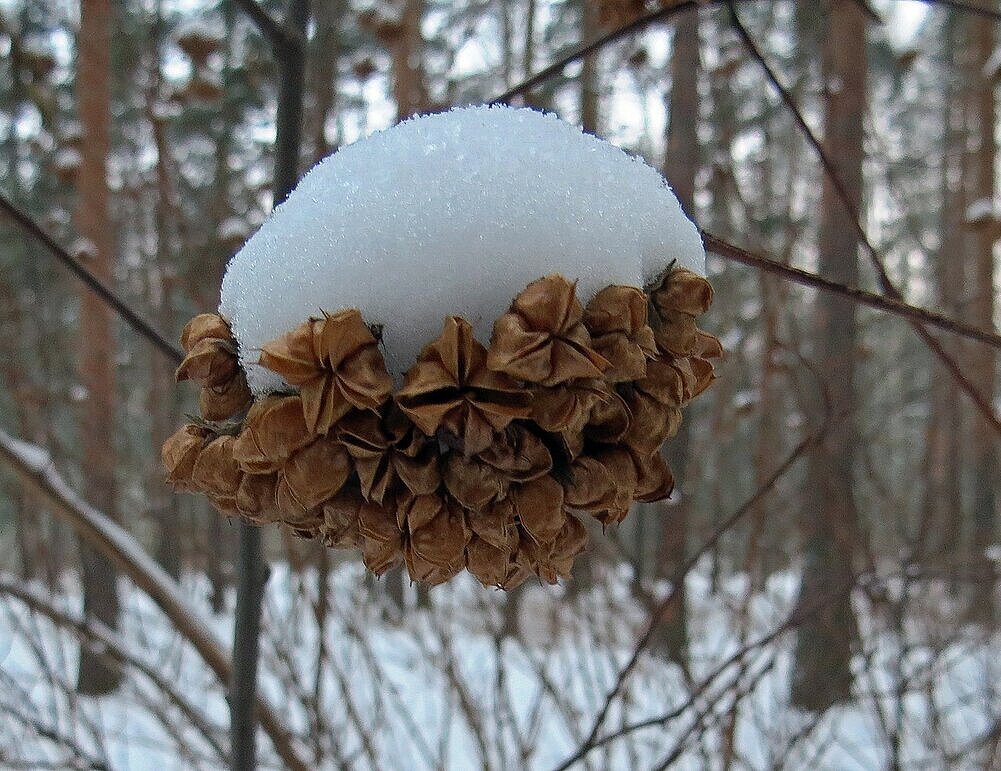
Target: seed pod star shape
335,362
451,389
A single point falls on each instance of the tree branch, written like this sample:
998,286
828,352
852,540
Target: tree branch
34,467
107,296
252,571
677,580
108,644
282,40
734,253
887,286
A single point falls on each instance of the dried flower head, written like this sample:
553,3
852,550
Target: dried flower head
542,339
451,393
336,364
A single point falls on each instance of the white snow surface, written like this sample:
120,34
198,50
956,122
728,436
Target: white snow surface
452,214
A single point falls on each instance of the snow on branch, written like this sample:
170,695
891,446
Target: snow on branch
34,466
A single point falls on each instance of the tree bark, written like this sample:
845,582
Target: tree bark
252,571
981,278
822,674
681,164
97,343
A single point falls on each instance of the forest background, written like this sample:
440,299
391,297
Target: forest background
822,582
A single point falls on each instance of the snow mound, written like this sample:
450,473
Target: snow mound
447,214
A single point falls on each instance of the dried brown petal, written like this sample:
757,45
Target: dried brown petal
518,455
225,505
317,472
488,564
472,482
380,556
341,515
442,538
225,401
335,362
450,389
571,541
568,407
590,487
179,454
542,338
388,450
654,480
609,420
216,472
539,507
676,333
683,291
211,362
273,429
652,423
622,471
495,524
256,498
555,561
205,326
617,321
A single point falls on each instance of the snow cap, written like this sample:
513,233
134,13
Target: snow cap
452,214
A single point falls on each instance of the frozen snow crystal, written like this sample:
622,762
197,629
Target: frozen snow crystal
448,214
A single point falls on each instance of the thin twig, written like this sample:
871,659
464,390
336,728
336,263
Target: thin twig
281,39
831,172
734,253
678,578
108,297
587,49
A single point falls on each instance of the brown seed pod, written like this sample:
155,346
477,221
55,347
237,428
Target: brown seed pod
256,498
216,472
219,403
450,390
273,430
542,339
336,364
313,475
388,452
483,457
205,326
179,454
617,321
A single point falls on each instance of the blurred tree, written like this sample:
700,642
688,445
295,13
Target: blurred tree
681,165
96,344
830,519
981,283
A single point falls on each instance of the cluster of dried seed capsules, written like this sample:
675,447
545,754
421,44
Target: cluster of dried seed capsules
484,459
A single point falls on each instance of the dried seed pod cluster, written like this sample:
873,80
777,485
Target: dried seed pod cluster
484,459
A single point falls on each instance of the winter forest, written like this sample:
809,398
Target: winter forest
818,591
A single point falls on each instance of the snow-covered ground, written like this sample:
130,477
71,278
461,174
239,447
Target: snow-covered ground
444,688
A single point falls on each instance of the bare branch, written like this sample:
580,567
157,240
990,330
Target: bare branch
108,297
734,253
111,646
281,39
887,286
678,578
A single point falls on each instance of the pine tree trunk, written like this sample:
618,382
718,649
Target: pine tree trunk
680,167
590,111
409,79
981,277
941,524
827,627
97,343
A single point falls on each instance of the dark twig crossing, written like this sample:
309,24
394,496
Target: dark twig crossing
886,284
